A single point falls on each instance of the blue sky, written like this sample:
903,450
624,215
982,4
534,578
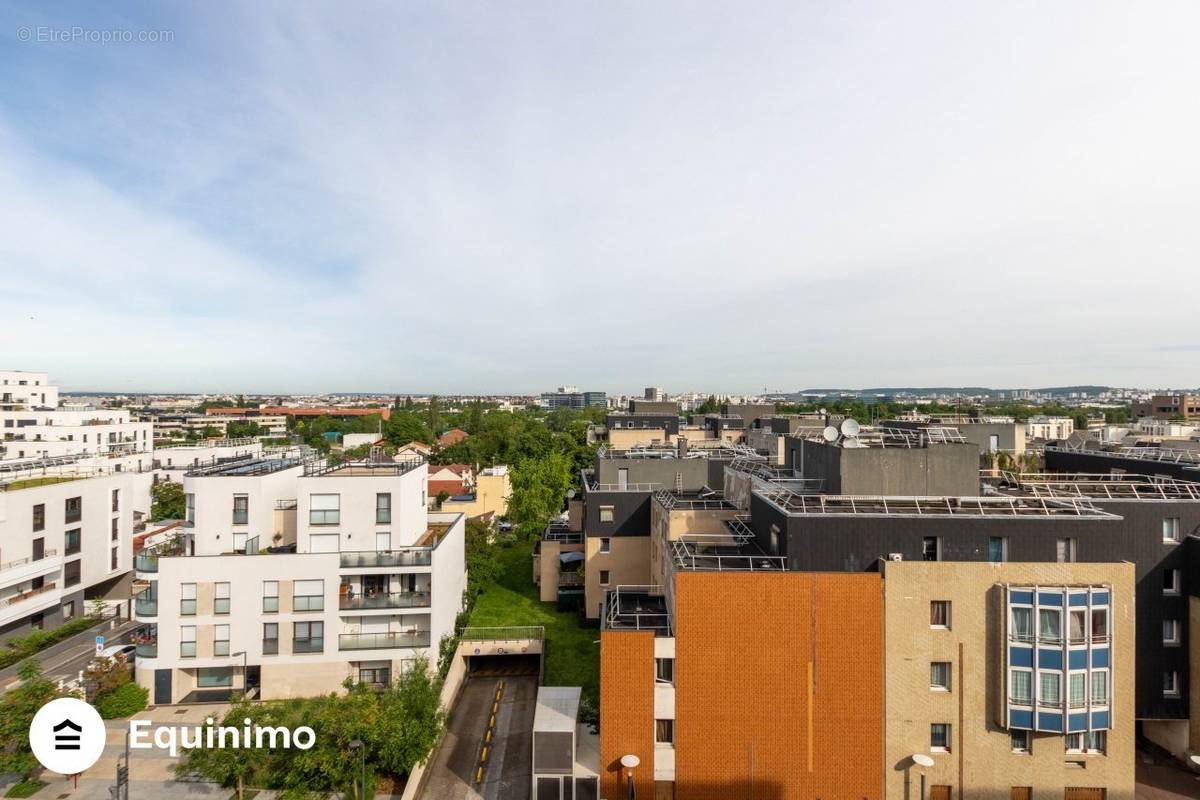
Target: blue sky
463,197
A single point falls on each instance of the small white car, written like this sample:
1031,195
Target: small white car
115,650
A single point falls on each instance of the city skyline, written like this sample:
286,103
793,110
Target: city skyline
863,195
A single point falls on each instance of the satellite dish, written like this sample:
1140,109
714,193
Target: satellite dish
830,434
850,428
922,760
822,412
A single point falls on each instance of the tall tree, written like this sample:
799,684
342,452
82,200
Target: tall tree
167,500
431,419
17,708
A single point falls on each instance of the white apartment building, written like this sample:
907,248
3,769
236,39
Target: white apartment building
34,426
65,539
183,456
293,576
1049,427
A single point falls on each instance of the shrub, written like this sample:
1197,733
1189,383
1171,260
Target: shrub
123,701
20,647
25,788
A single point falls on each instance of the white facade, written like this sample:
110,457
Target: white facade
373,583
195,454
63,539
1049,427
34,426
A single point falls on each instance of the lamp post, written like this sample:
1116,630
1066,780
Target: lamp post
630,762
357,744
922,760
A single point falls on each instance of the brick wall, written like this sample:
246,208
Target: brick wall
626,709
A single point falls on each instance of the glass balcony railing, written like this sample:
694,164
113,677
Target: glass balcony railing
384,600
389,558
308,645
382,641
149,650
145,605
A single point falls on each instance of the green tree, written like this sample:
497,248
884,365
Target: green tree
405,427
709,406
431,415
167,500
539,488
17,708
241,401
474,421
242,429
228,766
483,567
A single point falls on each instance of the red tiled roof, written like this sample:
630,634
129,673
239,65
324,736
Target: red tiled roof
452,436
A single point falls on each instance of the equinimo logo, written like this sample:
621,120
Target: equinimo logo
67,736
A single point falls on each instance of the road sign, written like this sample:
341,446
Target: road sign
99,645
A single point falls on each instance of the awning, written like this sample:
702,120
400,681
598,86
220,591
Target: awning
567,558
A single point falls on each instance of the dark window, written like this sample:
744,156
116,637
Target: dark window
116,499
375,676
71,573
115,529
270,638
241,509
73,509
604,577
39,517
383,508
929,548
113,562
308,637
71,541
664,731
664,670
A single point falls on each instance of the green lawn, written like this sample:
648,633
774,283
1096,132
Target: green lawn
572,657
29,483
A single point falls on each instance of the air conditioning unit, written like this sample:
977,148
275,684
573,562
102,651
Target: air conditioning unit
895,556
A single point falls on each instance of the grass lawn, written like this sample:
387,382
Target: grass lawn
572,658
29,483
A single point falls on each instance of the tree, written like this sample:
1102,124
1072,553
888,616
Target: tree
431,419
241,401
227,766
405,427
539,488
242,429
483,567
475,417
709,406
17,708
167,500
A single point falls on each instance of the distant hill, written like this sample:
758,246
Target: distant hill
925,391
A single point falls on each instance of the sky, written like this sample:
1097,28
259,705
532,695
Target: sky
506,197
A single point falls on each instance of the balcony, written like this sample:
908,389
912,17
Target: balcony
148,650
23,569
18,599
144,606
308,645
384,600
388,558
382,641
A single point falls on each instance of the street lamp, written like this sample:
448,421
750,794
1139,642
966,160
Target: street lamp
922,760
357,744
630,762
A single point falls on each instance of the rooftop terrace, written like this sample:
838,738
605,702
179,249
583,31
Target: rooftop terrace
1100,486
963,507
363,469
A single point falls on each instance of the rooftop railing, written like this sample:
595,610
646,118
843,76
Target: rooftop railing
503,634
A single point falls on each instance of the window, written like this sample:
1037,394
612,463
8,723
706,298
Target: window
1022,624
664,731
324,509
1171,529
1050,688
71,542
1099,624
383,508
71,573
939,676
1075,626
1021,687
606,545
113,559
39,517
1065,550
116,499
73,509
270,596
1020,741
308,596
931,548
241,509
308,637
375,676
115,532
187,599
1170,684
939,614
220,640
383,542
1050,624
1171,583
606,513
939,737
997,549
1075,689
1100,688
221,598
270,643
1092,742
664,670
604,577
214,678
1171,632
190,506
187,641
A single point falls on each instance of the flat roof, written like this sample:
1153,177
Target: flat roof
249,466
557,709
794,503
1100,486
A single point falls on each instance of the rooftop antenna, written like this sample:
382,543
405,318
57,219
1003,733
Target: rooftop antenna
830,434
850,428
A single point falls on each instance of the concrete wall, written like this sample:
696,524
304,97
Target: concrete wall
944,469
981,764
628,563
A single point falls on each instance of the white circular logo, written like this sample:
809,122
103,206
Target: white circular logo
67,736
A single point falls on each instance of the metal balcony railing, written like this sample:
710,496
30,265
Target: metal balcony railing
7,565
382,641
23,596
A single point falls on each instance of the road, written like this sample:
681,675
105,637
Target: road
65,659
507,776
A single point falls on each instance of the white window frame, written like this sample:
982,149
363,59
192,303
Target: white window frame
324,509
1024,749
1171,684
1030,698
383,541
945,686
218,630
949,615
187,635
270,590
610,511
949,737
1057,677
1092,676
1170,530
1175,589
1172,633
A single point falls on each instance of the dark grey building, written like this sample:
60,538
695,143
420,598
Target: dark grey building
573,399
